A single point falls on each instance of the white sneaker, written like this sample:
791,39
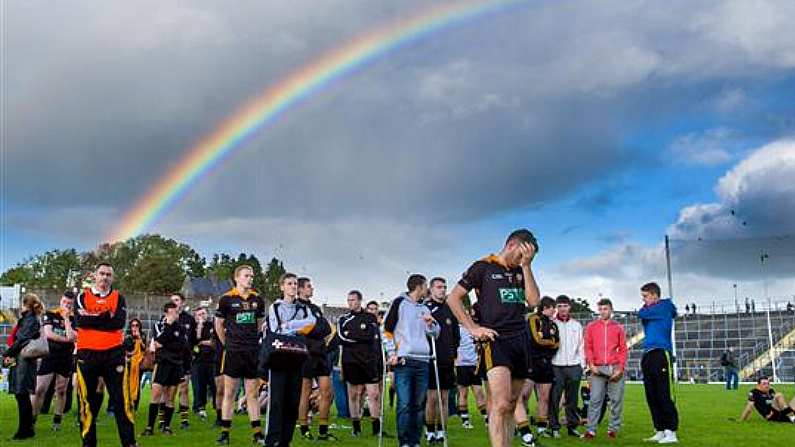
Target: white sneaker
430,436
658,436
669,437
439,436
468,425
528,441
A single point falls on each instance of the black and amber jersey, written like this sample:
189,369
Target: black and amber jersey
240,314
449,335
358,333
763,401
172,340
502,305
316,339
54,318
545,338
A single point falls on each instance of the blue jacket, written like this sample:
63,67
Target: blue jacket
657,322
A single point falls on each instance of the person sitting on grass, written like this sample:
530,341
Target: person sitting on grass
771,406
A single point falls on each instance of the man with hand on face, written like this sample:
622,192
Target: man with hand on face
238,319
606,356
58,325
169,343
505,287
358,332
316,367
446,349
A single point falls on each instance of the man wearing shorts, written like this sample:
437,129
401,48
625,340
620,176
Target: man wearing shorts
545,341
358,331
770,405
446,348
188,324
58,327
238,319
467,376
169,343
504,285
316,367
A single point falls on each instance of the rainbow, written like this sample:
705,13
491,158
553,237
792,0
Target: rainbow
215,148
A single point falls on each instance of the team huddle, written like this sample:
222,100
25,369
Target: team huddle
430,348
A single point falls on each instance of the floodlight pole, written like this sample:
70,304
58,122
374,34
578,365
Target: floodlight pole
763,260
671,295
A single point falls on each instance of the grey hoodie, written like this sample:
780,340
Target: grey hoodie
408,332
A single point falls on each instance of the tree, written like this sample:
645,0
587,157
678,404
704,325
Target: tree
150,263
223,267
51,269
20,274
273,272
580,306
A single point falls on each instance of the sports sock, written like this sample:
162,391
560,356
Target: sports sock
524,428
226,425
256,428
168,413
153,411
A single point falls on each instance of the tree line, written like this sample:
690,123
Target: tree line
149,263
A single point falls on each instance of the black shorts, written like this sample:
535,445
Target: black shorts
446,377
316,366
239,364
64,366
167,374
777,416
467,376
511,351
361,373
541,370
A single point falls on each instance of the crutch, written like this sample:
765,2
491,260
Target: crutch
435,361
383,397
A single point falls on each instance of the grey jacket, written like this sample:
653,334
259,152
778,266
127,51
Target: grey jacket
405,327
296,318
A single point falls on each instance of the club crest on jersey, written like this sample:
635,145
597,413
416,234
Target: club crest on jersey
363,326
245,306
448,321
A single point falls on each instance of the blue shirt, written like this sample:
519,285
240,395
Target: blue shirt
658,320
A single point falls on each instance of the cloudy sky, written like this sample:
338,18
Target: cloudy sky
601,126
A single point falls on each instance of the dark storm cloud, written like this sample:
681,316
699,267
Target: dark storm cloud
500,114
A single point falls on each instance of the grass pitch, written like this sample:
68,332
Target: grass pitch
708,417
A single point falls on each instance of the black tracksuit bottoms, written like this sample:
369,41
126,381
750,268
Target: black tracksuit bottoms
657,383
285,393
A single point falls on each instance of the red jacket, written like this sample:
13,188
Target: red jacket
605,343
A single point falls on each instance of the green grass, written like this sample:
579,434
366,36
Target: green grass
708,417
